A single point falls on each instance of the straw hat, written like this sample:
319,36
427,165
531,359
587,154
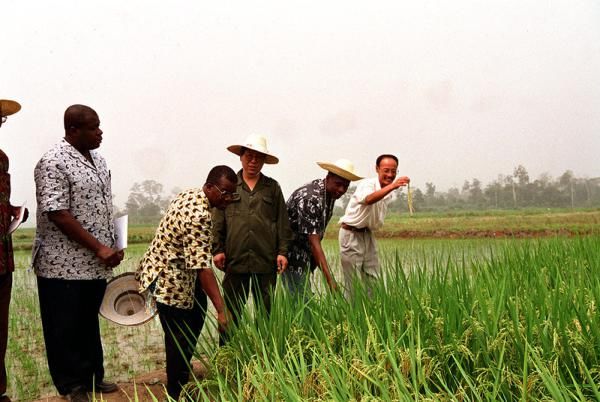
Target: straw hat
8,107
123,304
256,143
342,167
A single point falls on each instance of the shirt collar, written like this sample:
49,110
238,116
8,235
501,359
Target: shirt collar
71,150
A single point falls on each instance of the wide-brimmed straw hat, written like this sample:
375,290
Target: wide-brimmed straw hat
256,143
342,167
8,107
123,303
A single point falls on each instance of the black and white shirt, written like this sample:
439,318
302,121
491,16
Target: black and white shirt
66,180
309,211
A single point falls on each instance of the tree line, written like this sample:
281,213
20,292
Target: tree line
147,200
507,191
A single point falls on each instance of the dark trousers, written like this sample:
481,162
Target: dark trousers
182,329
5,289
69,310
237,286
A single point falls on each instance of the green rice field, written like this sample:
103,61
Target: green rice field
479,319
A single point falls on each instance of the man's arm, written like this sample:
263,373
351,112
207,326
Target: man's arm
71,227
284,232
219,230
382,192
319,255
211,288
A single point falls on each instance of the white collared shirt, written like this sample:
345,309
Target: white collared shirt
361,215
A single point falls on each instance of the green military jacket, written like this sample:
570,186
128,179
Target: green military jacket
254,230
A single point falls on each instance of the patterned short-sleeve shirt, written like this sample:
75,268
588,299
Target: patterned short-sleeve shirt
66,180
181,246
309,211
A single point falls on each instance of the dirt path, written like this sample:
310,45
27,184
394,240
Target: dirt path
144,386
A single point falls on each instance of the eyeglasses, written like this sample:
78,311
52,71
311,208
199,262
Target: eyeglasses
226,195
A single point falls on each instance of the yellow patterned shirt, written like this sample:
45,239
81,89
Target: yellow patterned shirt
181,246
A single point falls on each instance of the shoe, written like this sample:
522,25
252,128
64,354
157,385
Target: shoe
105,387
4,398
78,394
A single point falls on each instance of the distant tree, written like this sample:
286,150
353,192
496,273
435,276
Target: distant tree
145,202
476,197
430,194
418,199
509,185
493,193
520,173
453,197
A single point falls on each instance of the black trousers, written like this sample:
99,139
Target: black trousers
69,310
182,329
5,289
236,288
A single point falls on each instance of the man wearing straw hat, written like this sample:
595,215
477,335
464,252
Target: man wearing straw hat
251,235
74,254
310,208
177,271
365,213
7,265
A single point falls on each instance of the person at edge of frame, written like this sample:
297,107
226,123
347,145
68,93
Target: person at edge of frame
7,265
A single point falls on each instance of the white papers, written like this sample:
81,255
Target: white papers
18,219
121,232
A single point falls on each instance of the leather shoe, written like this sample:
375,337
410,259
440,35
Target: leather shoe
78,394
105,387
4,398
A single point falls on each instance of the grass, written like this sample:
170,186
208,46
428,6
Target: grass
455,224
128,351
518,324
455,319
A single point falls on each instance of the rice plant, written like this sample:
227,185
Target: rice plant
519,322
456,320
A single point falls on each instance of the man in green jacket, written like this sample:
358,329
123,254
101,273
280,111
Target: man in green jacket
251,235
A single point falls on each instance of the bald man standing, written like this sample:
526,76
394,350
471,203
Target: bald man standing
73,254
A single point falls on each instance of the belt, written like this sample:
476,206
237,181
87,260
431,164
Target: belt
354,229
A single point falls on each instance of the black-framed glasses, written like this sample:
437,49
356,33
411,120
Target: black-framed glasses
226,195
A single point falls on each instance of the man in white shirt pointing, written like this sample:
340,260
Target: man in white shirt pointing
365,213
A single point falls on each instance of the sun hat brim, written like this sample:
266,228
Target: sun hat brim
8,107
343,173
123,304
269,159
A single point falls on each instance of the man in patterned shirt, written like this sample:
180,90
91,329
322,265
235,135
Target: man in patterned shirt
73,253
177,271
309,209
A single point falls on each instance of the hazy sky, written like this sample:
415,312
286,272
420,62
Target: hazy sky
457,89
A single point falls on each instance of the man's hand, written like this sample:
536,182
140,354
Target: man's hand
109,256
282,264
401,181
223,319
332,285
219,261
16,210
